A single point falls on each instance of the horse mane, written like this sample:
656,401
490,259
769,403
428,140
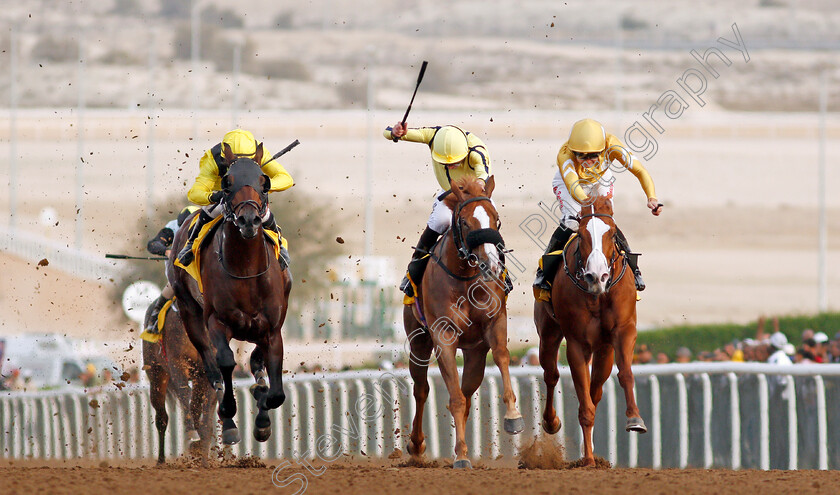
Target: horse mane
470,187
603,204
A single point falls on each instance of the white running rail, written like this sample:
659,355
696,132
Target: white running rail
705,415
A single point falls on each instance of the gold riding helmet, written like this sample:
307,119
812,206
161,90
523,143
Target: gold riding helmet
241,142
449,145
587,136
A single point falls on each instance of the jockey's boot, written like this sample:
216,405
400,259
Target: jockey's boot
417,264
632,259
271,224
150,325
186,256
558,240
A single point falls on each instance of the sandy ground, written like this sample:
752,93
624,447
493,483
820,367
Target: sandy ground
354,477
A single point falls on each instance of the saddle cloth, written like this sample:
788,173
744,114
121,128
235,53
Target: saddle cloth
206,233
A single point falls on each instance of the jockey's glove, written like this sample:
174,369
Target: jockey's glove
216,196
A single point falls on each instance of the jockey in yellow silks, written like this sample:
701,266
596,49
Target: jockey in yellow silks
456,154
584,172
206,191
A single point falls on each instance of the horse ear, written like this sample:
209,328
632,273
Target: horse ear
457,191
259,154
489,185
228,153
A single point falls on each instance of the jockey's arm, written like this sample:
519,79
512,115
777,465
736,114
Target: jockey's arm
159,243
415,135
479,158
280,179
618,152
205,182
570,177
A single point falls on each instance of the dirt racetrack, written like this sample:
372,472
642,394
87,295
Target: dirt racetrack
348,477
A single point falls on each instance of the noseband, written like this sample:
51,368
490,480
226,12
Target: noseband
474,238
578,275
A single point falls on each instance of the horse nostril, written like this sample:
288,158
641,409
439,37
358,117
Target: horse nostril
589,278
257,221
604,277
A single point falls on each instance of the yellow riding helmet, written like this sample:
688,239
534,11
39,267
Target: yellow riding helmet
241,142
587,136
449,145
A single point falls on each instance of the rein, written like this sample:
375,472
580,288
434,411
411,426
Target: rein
578,275
242,277
464,246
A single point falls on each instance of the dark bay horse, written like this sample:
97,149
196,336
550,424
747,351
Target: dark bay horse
463,307
593,305
246,293
171,364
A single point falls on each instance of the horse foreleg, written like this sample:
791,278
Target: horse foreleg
420,355
224,394
457,402
514,424
474,364
274,364
191,315
159,379
202,402
181,389
578,360
550,338
624,342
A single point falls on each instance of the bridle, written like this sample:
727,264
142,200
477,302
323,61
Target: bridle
474,238
230,213
465,245
578,275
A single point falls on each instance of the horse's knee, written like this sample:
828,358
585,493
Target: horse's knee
586,416
551,376
457,404
625,378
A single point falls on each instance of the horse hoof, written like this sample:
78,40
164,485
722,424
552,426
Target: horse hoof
462,464
416,451
231,436
192,436
636,424
514,426
262,434
553,427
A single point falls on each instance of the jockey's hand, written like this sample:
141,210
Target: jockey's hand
166,253
398,130
216,196
655,206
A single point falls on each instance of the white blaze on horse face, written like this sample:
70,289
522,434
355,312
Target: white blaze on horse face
490,250
597,270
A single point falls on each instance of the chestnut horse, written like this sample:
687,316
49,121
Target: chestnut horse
593,305
246,293
170,365
463,299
